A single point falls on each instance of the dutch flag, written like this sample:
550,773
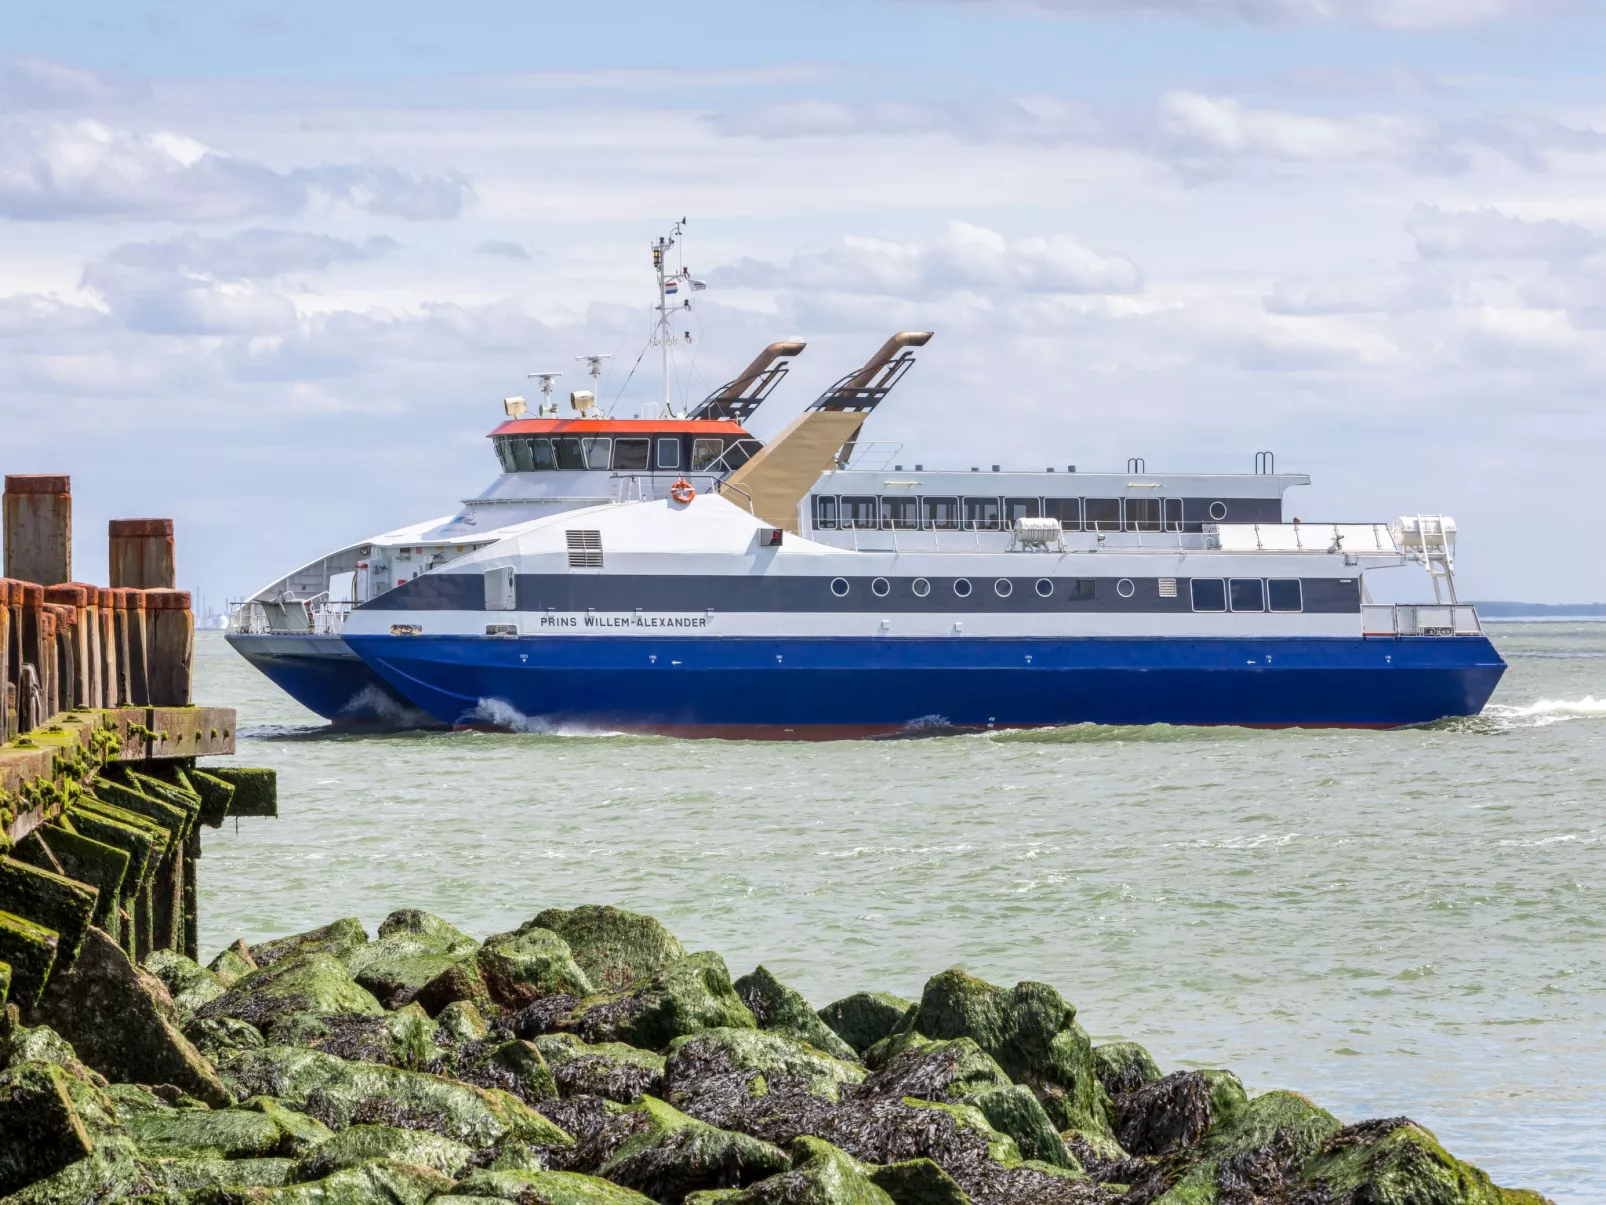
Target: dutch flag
671,287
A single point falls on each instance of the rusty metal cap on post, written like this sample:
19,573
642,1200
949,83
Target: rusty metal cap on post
38,483
140,527
32,595
67,596
5,591
106,597
166,600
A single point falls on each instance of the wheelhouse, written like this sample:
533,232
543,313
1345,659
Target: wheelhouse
536,445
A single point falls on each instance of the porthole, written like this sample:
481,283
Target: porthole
1045,588
1218,511
921,587
1124,587
962,587
839,587
1003,587
880,587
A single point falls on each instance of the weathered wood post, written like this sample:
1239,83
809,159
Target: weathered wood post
66,617
89,643
140,553
49,661
108,647
72,626
124,693
8,687
170,628
138,649
38,527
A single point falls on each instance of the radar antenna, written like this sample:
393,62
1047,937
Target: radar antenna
549,408
594,371
670,284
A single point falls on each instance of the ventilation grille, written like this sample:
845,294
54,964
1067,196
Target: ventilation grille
585,549
1168,587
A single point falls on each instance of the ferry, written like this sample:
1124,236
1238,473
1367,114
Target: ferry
812,593
292,629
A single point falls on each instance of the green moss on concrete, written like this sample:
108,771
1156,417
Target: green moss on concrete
5,983
690,994
219,1039
545,1188
298,1133
29,950
459,982
380,1182
1124,1067
256,790
460,1021
783,1009
50,900
864,1018
613,947
186,1175
101,866
917,1182
363,1143
216,797
1285,1126
521,967
338,939
173,819
186,981
40,1130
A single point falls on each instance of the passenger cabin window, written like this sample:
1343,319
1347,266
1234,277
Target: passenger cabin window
669,453
705,452
630,454
1102,514
1143,514
900,513
1021,508
858,511
1284,594
981,514
1209,594
598,452
569,453
1067,510
1248,594
941,514
824,512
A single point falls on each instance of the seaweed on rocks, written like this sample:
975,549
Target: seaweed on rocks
864,1018
1175,1112
609,1069
1123,1067
782,1009
616,949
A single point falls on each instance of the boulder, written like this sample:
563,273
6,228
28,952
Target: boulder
610,1070
659,1151
820,1174
307,984
337,939
1177,1111
233,964
543,1188
219,1039
363,1143
460,1021
613,947
1030,1030
412,948
377,1182
1394,1161
298,1133
688,995
459,982
121,1021
515,1066
718,1074
1123,1067
203,1133
521,967
341,1094
187,982
187,1175
40,1130
864,1018
404,1038
784,1010
29,952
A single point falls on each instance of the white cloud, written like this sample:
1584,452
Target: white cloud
1214,126
503,249
30,82
86,169
1491,234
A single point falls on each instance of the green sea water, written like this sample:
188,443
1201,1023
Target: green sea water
1407,922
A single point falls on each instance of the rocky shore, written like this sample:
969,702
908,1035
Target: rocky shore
586,1058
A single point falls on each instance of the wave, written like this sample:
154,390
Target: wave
504,717
1544,712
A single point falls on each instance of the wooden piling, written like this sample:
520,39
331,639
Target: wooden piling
140,553
108,647
170,631
125,694
8,688
89,643
138,649
72,625
38,527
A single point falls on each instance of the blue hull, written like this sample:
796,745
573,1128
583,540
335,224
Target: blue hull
815,687
326,677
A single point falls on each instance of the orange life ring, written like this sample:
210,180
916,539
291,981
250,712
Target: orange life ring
682,491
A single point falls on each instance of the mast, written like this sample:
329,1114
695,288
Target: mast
669,282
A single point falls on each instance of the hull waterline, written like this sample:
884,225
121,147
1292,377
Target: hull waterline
327,678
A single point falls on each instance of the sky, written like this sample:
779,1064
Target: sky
270,271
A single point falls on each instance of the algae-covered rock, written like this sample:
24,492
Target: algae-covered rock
188,983
309,984
613,947
298,1133
377,1182
459,982
184,1176
820,1174
404,1038
412,948
864,1018
658,1150
232,965
719,1072
782,1009
121,1021
364,1143
1031,1032
220,1038
336,939
1394,1161
1177,1111
690,994
341,1094
515,1066
460,1021
1263,1142
521,967
40,1130
610,1070
112,1172
1123,1067
541,1188
203,1133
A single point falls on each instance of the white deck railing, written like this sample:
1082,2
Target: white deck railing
1419,619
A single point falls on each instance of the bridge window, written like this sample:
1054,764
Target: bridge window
1173,514
630,453
521,450
1143,514
569,454
1067,510
858,512
598,452
705,452
1209,594
941,514
1248,594
825,512
1102,514
900,513
504,455
981,514
669,453
542,455
1284,594
1021,508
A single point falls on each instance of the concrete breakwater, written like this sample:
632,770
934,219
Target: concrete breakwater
587,1057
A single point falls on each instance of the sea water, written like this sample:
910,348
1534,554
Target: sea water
1409,922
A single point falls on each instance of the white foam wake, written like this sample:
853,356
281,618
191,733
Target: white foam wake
499,713
1550,711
